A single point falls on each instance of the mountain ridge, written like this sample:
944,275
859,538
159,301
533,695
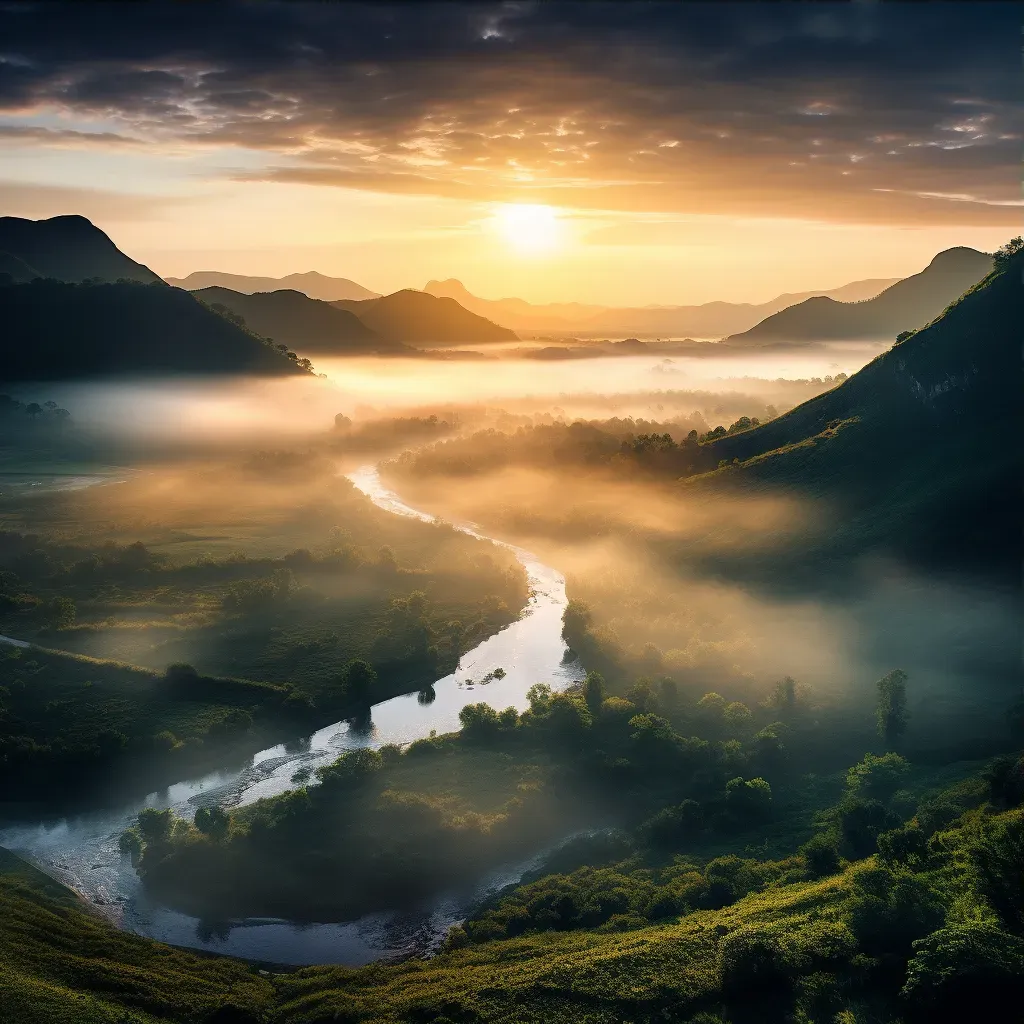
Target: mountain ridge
308,326
69,248
413,317
709,319
311,283
906,305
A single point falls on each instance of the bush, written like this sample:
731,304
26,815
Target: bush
959,969
753,961
822,855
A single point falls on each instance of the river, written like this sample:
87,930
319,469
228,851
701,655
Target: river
82,851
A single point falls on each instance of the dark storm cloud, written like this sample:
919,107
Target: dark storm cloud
853,112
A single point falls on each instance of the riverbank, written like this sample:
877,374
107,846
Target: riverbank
83,852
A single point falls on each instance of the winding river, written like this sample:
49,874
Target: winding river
82,851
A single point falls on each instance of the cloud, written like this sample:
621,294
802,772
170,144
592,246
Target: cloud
773,110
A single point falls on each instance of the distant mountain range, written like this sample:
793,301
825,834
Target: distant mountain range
308,326
316,286
710,320
904,306
417,318
66,249
920,450
60,324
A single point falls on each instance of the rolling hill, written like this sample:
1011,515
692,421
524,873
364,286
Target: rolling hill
67,249
710,320
417,318
308,326
919,451
59,331
311,284
904,306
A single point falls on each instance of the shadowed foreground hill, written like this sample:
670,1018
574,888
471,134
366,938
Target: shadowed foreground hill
311,284
416,318
904,306
68,249
308,326
58,331
921,448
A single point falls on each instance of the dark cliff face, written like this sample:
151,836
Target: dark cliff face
69,249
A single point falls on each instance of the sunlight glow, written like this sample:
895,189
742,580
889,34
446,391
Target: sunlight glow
528,228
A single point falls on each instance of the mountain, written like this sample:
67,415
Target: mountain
518,313
15,271
308,326
312,284
904,306
710,320
417,318
68,249
919,451
54,330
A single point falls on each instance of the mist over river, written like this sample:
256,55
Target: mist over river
82,850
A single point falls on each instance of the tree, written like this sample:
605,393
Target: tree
358,681
892,712
61,612
961,968
750,798
783,696
154,825
594,691
877,777
822,855
212,822
1005,253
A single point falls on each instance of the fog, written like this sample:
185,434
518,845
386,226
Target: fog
215,413
658,566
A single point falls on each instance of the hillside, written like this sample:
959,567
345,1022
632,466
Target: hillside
308,326
904,306
311,284
59,331
416,318
920,447
16,271
710,320
68,249
920,930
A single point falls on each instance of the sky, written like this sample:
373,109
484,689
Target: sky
607,153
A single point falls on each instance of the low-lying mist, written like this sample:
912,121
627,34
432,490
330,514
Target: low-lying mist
674,581
208,413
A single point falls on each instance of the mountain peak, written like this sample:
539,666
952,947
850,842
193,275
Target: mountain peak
69,248
960,256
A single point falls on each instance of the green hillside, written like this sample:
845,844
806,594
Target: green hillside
920,448
924,930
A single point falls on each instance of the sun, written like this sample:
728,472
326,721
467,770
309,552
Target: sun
528,228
